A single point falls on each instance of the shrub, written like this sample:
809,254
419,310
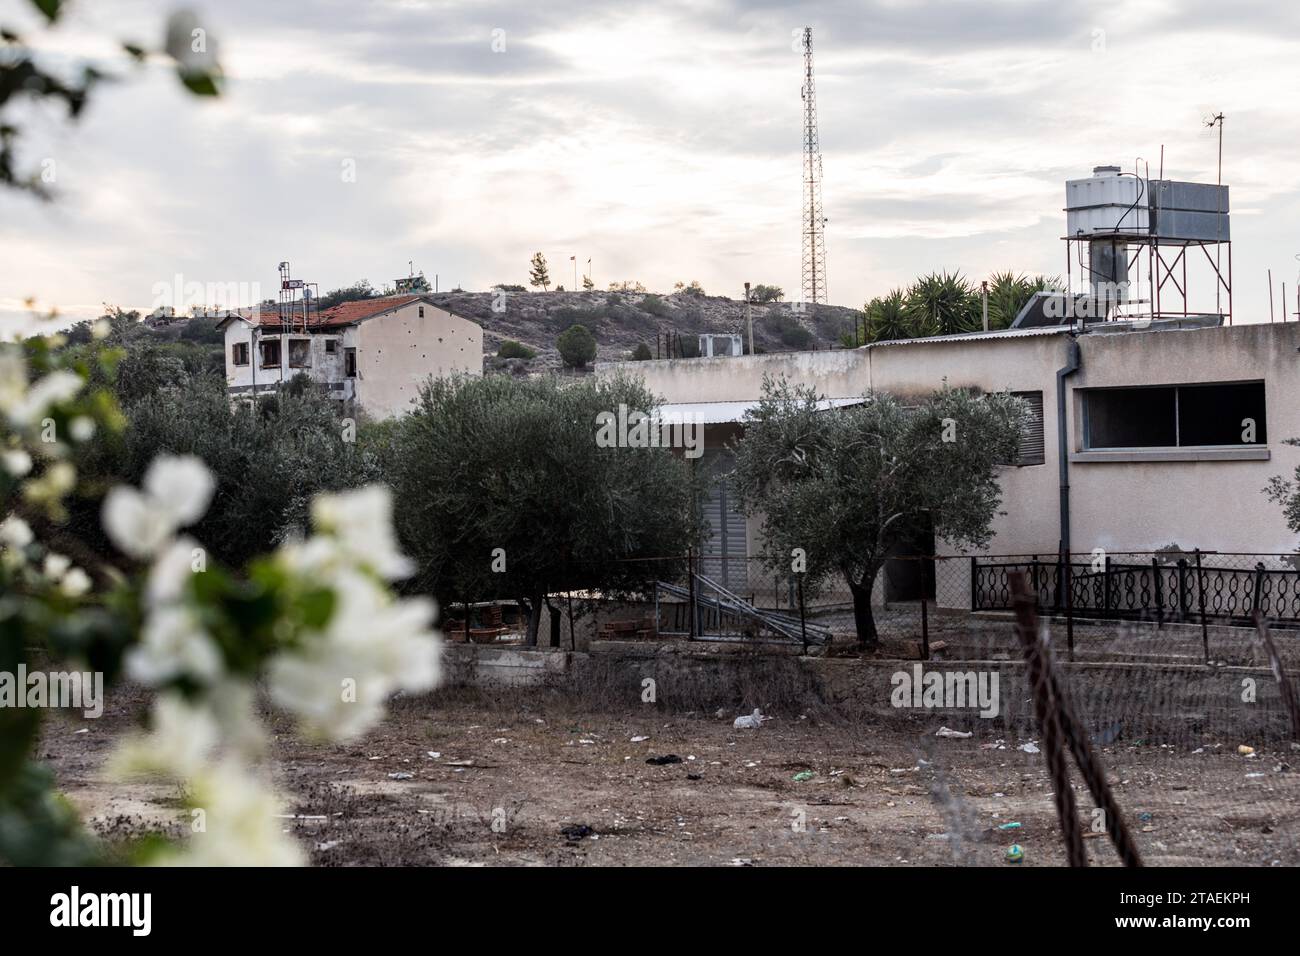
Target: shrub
654,305
577,346
641,353
512,349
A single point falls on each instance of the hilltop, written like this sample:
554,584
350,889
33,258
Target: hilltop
622,320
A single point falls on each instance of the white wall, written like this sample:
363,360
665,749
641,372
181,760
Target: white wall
399,351
1129,505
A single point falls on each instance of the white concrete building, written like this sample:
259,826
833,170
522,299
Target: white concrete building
1157,451
376,353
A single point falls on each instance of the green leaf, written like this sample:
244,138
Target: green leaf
200,84
51,8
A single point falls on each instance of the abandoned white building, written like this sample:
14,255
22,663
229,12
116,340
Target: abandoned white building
1168,434
375,353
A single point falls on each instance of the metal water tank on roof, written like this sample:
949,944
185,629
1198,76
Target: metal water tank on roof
1189,212
1106,202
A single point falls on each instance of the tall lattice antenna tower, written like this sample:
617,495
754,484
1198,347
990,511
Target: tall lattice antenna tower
814,222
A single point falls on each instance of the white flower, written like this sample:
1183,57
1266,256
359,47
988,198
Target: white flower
134,523
17,462
75,583
56,387
173,644
56,565
170,572
241,825
101,328
181,739
81,428
181,485
362,521
15,532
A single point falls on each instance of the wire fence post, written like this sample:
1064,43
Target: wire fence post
925,616
803,624
1069,607
974,584
1158,586
1200,588
690,607
1259,582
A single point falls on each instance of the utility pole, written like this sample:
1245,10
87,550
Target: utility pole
984,295
749,320
1217,120
814,222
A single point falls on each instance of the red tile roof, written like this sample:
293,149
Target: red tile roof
345,313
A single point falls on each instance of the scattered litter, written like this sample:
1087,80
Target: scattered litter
501,740
638,739
1145,817
694,776
328,845
1251,776
576,831
665,759
1012,825
83,730
1245,751
1015,853
751,721
945,732
720,713
435,754
803,775
836,773
400,775
460,763
1110,734
584,740
938,836
378,757
1029,748
741,861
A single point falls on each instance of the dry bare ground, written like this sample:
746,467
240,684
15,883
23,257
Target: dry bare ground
527,778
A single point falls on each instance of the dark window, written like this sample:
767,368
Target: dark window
1175,416
1031,437
299,353
421,311
331,346
270,353
350,362
239,353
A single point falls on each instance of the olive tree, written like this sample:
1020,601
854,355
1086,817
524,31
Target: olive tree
502,491
847,485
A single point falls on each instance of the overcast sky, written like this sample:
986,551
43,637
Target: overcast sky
660,139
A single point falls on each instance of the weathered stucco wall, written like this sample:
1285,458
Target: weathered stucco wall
401,350
1116,505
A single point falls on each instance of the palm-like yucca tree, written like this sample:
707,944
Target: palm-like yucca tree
886,319
1008,293
942,304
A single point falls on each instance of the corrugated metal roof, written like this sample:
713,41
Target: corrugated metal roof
717,413
976,336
